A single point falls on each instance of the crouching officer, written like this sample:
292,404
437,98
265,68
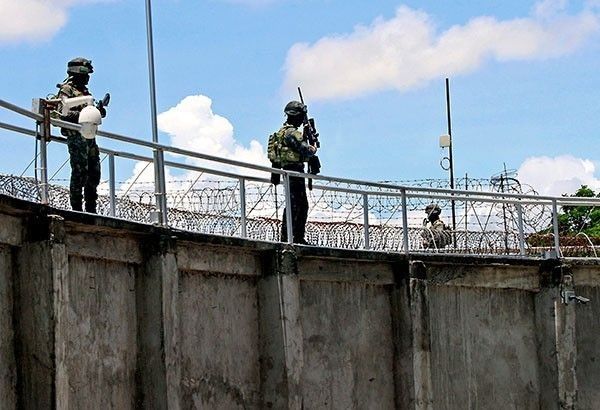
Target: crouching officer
84,154
435,233
289,150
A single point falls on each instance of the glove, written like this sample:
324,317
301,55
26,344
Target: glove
275,178
102,110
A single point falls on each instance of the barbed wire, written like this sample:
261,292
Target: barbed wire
213,207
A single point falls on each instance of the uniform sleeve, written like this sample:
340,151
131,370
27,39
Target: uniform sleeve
295,141
66,91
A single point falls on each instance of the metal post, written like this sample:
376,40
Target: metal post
111,184
159,167
450,157
521,234
466,213
555,227
161,186
451,163
44,137
366,220
404,221
243,206
288,209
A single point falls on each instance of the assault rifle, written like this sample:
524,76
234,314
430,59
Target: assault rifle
103,103
312,137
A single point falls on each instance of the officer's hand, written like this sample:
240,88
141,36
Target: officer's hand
102,111
312,149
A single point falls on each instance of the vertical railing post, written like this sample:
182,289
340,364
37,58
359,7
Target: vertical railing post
366,220
44,137
521,234
555,227
111,184
243,206
288,209
160,186
404,221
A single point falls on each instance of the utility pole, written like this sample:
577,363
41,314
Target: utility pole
160,186
446,142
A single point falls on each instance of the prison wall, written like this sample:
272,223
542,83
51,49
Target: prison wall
111,314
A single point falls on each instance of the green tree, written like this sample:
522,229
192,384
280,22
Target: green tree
575,219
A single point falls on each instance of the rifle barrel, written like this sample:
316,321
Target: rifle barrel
301,98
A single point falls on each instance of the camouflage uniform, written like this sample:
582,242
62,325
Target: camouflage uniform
294,152
84,155
436,235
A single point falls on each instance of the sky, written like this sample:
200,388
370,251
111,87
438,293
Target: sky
524,82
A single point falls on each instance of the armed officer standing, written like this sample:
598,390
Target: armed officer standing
84,153
288,149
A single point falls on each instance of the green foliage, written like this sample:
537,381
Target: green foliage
575,219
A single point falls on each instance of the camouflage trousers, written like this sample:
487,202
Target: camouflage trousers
85,171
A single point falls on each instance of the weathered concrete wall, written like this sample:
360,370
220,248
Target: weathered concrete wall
11,235
587,284
348,347
100,353
482,345
219,329
8,376
109,314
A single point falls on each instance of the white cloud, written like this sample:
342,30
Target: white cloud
406,51
559,175
192,125
549,8
34,20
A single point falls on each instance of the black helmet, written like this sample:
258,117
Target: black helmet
79,65
433,209
294,108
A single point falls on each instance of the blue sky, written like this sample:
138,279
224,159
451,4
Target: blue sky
524,80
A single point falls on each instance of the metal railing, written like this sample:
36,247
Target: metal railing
377,234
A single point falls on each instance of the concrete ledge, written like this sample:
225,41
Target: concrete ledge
371,272
217,259
106,247
12,230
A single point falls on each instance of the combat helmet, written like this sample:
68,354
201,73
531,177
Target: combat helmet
79,65
294,108
433,209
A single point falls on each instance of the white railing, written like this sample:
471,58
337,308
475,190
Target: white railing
245,172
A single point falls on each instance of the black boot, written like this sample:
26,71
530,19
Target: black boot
90,207
76,206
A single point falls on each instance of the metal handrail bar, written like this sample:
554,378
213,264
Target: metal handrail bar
137,157
453,194
22,111
242,164
489,199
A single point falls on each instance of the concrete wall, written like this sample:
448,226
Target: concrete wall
347,336
472,357
219,328
8,375
11,235
587,284
109,314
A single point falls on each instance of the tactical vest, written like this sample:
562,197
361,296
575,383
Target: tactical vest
67,90
278,151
